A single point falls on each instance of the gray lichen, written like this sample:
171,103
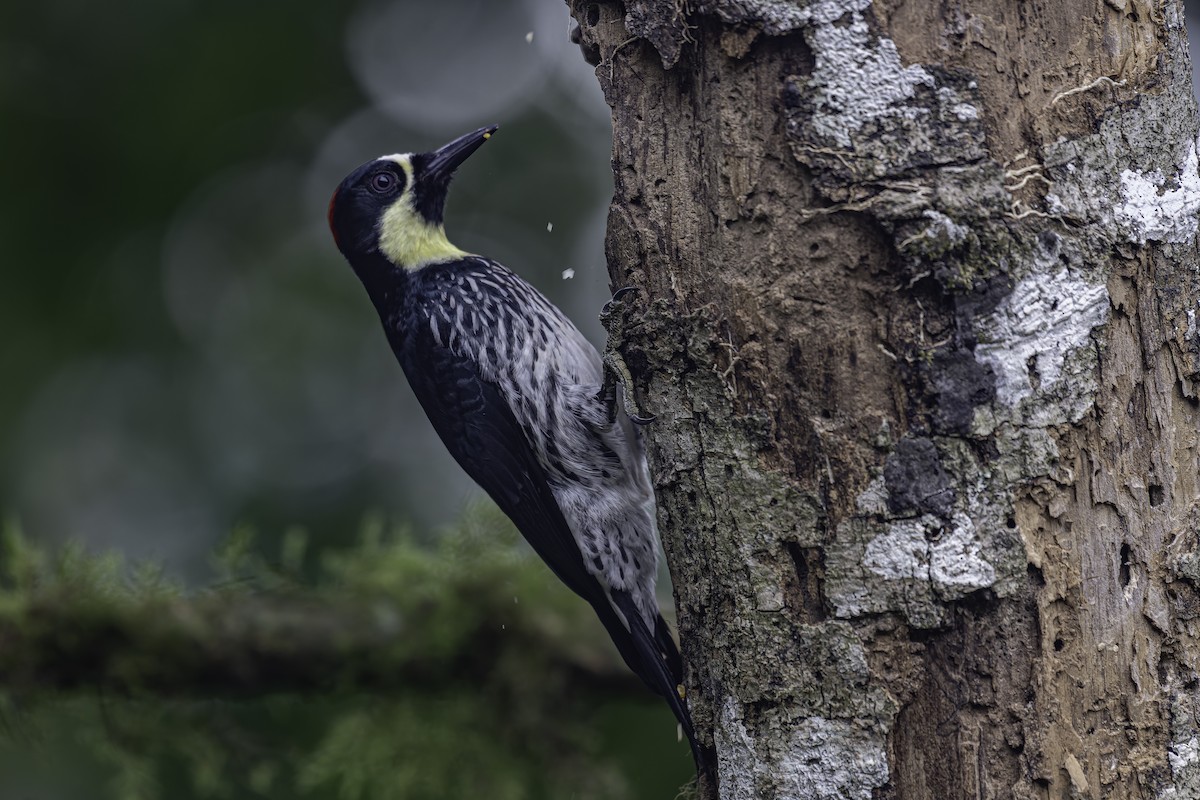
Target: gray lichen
827,741
919,166
1027,341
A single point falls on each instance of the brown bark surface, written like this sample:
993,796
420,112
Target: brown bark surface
923,353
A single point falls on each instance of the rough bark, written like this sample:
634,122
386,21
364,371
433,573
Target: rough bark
918,322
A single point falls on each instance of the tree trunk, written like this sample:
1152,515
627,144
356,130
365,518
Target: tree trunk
918,322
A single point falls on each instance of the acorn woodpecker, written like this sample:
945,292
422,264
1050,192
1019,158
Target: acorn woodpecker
518,396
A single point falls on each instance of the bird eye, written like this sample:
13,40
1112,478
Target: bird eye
382,182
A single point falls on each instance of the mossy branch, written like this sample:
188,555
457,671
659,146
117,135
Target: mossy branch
389,615
217,643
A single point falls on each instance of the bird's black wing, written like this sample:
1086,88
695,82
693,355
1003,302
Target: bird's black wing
479,429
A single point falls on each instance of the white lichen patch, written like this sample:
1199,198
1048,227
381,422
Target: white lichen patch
956,563
919,549
833,759
1156,208
768,591
1055,207
736,758
1183,750
856,79
961,111
1184,758
873,499
964,111
939,235
1028,338
817,759
941,225
902,552
1184,754
917,566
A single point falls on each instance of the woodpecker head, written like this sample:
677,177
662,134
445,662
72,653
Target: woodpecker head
392,206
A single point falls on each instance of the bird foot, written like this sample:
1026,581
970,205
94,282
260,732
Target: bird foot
616,371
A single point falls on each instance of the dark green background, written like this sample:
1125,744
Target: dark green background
182,348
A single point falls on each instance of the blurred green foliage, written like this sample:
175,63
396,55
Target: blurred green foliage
498,719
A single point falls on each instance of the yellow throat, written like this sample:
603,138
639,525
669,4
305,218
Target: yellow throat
407,238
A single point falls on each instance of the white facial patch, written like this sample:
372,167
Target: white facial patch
408,240
403,159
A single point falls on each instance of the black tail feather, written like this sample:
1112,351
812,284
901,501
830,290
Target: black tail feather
658,664
666,645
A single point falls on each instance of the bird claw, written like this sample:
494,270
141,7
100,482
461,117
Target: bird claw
615,375
616,372
607,309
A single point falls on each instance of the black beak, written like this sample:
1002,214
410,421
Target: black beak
443,161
